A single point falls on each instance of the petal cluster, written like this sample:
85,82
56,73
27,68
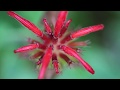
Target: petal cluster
56,42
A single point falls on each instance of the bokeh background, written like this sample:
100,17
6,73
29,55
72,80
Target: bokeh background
103,54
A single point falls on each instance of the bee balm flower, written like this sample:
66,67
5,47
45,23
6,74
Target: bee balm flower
56,43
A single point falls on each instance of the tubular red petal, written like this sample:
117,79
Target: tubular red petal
55,63
63,30
26,23
47,27
82,43
66,39
26,48
41,46
45,61
73,53
66,58
59,23
36,55
87,30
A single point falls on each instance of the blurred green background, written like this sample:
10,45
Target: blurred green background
103,54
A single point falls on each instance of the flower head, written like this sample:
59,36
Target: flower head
56,42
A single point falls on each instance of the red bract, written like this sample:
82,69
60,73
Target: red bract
56,42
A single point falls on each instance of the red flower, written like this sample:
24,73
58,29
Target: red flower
55,42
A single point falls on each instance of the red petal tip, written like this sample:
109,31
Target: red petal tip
15,51
93,72
10,13
59,23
